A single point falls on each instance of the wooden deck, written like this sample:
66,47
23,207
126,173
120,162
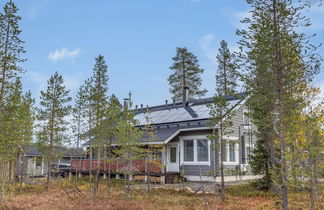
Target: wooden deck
138,166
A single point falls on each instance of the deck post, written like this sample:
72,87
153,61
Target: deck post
117,173
79,174
105,163
162,179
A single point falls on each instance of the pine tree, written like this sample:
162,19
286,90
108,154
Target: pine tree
226,74
129,146
54,108
186,73
108,125
79,119
11,48
27,118
89,110
220,108
149,134
99,100
273,44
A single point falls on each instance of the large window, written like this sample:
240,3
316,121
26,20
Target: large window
188,150
195,151
202,150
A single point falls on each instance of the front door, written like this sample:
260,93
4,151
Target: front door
173,159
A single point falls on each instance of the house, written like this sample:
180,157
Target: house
182,130
34,164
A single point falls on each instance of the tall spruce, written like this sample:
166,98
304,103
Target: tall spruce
186,73
52,113
273,37
220,111
11,48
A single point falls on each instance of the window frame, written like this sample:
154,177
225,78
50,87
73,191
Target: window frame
195,149
233,140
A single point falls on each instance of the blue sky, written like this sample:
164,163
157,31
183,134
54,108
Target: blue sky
138,39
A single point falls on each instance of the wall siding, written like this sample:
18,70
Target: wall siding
204,170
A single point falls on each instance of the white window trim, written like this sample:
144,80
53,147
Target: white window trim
231,138
195,161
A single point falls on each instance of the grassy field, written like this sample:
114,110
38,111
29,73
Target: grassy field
62,195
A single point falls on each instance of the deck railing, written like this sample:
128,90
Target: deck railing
136,166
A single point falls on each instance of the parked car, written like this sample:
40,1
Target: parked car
60,170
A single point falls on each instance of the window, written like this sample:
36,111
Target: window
195,151
173,154
231,152
202,150
39,161
188,150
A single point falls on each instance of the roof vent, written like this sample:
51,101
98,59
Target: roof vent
166,103
185,96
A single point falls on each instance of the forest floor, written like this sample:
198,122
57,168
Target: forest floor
65,195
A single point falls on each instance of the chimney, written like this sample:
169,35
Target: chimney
185,96
126,103
166,103
142,107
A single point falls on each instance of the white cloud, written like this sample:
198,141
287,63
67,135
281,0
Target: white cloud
237,17
64,53
209,45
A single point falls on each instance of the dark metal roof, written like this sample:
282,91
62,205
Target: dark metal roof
169,119
170,113
33,150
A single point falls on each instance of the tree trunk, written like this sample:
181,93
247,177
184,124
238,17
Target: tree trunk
90,171
280,91
21,173
97,172
48,175
222,164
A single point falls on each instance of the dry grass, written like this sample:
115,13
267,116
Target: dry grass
238,197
